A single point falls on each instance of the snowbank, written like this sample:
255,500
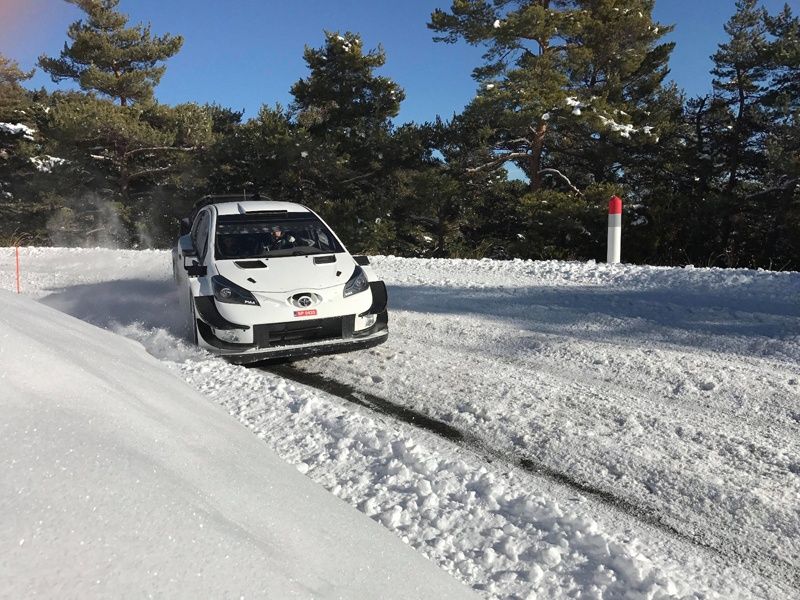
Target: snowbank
18,128
119,479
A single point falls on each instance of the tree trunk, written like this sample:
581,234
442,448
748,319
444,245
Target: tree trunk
737,142
536,156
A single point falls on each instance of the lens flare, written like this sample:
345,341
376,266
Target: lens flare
27,23
9,9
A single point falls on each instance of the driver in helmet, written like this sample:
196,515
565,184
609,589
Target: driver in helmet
279,239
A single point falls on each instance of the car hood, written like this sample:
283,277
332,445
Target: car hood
287,273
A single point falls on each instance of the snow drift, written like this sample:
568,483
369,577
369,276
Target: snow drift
118,478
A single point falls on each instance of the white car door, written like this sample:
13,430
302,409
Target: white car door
194,270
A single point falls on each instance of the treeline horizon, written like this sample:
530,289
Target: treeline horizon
572,92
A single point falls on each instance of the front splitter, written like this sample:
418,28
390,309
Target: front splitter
295,352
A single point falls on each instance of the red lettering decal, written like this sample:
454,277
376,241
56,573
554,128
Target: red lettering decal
305,313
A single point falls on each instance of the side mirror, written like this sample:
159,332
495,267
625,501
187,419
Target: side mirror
186,226
187,247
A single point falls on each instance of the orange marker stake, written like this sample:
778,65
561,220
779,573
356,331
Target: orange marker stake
17,250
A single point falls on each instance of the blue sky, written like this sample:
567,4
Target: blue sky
247,53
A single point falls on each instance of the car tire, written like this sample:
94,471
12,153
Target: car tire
192,321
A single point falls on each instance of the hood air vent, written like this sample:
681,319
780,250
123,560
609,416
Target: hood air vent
251,264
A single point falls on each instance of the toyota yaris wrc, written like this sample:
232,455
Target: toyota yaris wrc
261,279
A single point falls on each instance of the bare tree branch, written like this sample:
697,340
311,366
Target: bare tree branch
500,160
787,186
519,141
160,149
563,177
146,172
424,220
497,162
357,177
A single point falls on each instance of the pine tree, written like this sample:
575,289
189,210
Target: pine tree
263,155
124,149
433,198
756,142
12,94
14,107
19,139
784,28
345,109
342,91
783,98
132,159
740,77
107,57
782,245
563,78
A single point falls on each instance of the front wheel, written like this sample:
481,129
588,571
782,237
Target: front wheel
192,321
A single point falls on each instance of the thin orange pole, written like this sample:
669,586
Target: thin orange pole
17,249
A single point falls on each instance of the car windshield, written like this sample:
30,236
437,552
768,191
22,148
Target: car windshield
260,236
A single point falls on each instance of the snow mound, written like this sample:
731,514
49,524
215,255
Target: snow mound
118,477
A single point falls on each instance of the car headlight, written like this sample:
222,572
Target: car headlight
357,283
230,293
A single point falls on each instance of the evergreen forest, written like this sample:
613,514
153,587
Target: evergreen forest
573,93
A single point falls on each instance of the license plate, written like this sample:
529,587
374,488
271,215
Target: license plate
305,313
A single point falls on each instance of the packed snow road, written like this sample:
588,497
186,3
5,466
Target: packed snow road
672,392
671,395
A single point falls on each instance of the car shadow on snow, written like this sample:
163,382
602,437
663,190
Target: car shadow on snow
151,304
717,320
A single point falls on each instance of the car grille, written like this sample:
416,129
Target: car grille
269,335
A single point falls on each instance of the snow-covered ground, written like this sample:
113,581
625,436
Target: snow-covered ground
625,431
118,480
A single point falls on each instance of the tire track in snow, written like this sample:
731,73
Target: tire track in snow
563,380
745,557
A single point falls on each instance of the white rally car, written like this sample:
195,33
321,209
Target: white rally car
261,279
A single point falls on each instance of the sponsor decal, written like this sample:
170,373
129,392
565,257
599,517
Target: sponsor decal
305,313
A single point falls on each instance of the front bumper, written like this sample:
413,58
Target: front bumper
292,339
312,340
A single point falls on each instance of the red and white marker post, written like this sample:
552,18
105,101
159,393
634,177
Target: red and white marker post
614,230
